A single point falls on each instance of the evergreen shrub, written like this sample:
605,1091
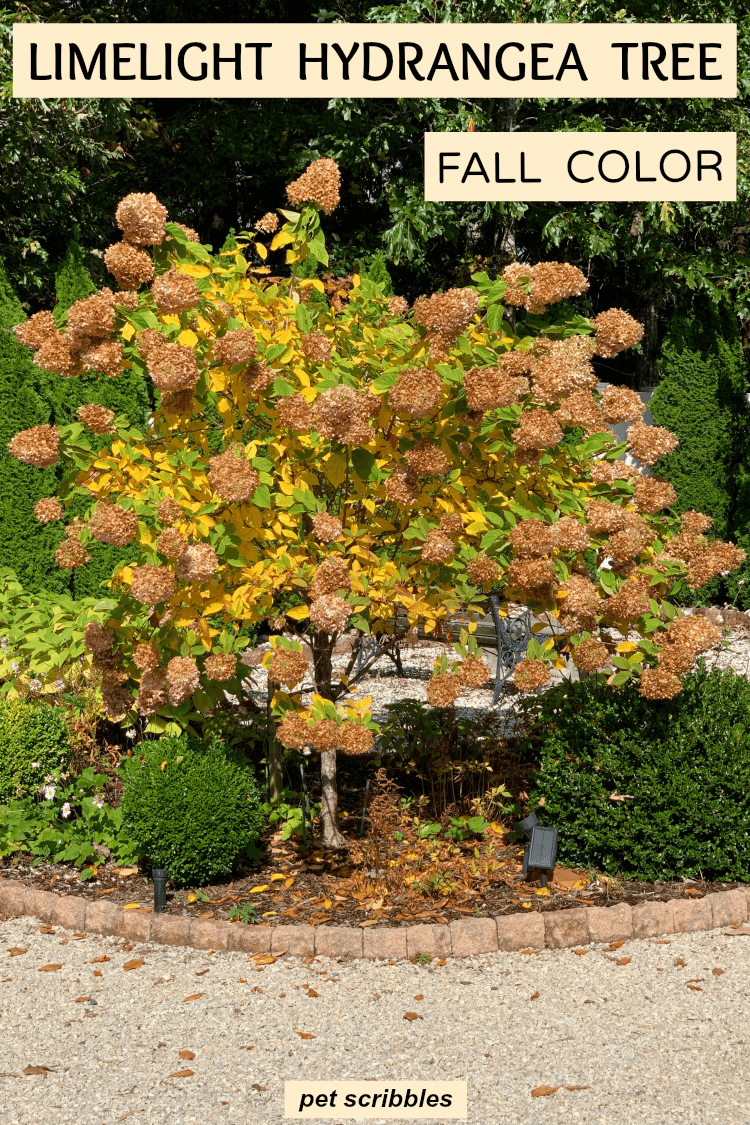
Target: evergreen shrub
29,733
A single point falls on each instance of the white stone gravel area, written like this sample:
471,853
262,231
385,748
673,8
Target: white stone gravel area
648,1048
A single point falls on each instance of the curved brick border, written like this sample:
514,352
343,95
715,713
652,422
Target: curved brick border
466,938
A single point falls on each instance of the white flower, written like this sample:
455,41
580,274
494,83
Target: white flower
99,802
35,765
14,665
49,792
59,685
3,643
35,685
65,810
130,733
49,777
306,753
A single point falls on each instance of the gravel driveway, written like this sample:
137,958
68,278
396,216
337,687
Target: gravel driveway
650,1049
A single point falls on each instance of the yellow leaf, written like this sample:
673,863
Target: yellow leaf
261,251
132,906
194,269
128,332
277,876
260,889
162,766
497,828
526,905
289,882
626,646
281,239
299,613
543,891
268,913
356,281
187,338
327,904
192,896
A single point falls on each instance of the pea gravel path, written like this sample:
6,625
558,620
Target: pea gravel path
650,1050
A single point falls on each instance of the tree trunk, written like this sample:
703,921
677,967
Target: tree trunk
647,363
331,837
275,771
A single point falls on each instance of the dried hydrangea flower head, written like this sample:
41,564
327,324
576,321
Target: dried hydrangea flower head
445,316
316,346
330,613
695,523
531,538
231,475
627,605
92,318
657,683
97,639
325,734
33,332
402,487
149,341
326,528
343,414
579,409
438,547
615,331
331,576
712,559
117,702
106,357
620,404
488,388
152,585
183,679
175,292
256,377
37,446
171,543
152,693
443,689
268,223
398,306
427,460
652,494
48,509
220,666
320,183
141,218
416,393
295,731
578,603
198,563
472,673
97,418
173,367
590,655
534,579
59,355
483,571
537,429
515,275
529,675
560,367
169,511
71,554
552,282
128,299
649,443
604,516
451,524
570,534
130,266
236,347
288,667
109,523
355,739
146,656
295,414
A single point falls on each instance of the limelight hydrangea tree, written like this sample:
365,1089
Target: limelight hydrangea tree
373,459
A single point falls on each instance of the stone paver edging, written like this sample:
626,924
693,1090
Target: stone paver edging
469,937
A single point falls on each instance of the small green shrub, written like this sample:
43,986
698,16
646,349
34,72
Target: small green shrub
33,743
192,806
682,767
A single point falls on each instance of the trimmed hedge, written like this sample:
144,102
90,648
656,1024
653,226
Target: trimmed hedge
29,732
683,766
193,807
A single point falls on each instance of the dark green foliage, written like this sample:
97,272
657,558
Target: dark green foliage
701,398
684,762
29,732
194,815
230,242
11,312
72,282
376,270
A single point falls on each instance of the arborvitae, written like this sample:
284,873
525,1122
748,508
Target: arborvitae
11,311
377,271
230,242
72,282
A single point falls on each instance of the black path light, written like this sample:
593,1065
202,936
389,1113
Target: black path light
160,876
540,851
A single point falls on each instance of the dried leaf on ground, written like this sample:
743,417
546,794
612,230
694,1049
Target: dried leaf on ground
412,1016
680,962
718,972
580,952
624,961
50,968
534,997
187,1055
98,960
16,951
44,1070
695,988
46,930
134,964
419,996
82,999
613,945
312,992
182,1073
193,996
305,1035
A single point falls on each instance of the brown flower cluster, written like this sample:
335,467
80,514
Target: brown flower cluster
590,655
288,667
488,388
48,509
220,666
569,534
624,546
711,558
417,392
97,418
326,528
398,306
92,318
580,409
169,511
627,605
146,656
117,701
529,675
531,538
320,183
153,691
37,446
295,414
579,606
658,683
231,475
354,739
603,472
173,367
615,331
620,404
316,346
236,347
198,563
109,523
438,548
129,265
548,283
268,223
152,585
149,341
451,524
256,377
685,639
141,218
445,316
171,543
483,571
97,639
472,672
33,332
604,516
427,459
343,414
294,731
514,275
537,429
649,443
175,292
533,578
330,613
652,494
331,576
58,355
402,487
71,554
560,367
177,402
443,689
695,523
183,679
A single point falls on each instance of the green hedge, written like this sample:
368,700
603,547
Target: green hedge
192,806
684,764
29,733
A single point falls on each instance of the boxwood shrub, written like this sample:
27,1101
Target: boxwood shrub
29,733
192,806
683,767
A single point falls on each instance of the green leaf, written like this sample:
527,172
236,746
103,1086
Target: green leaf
364,464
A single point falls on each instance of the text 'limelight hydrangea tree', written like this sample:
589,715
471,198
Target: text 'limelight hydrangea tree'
373,460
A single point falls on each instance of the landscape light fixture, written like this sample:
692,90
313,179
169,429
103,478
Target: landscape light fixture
540,851
160,876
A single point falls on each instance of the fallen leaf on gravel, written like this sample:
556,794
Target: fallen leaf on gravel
305,1035
613,945
187,1055
265,959
528,952
82,999
412,1016
97,972
98,960
123,872
680,962
312,992
718,972
132,906
663,941
127,948
696,980
50,968
442,961
202,972
736,933
255,1086
242,980
289,882
134,964
108,891
624,961
695,988
419,996
15,951
534,997
544,1091
182,1073
369,922
543,891
576,1087
193,996
208,913
37,1070
46,930
580,952
277,876
526,906
251,1048
691,891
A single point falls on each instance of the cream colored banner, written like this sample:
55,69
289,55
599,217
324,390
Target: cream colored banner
570,167
674,60
384,1099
